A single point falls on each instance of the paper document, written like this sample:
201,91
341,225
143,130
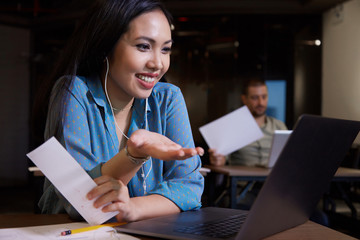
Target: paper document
232,131
52,232
69,178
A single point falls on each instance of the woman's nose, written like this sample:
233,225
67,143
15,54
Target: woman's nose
155,62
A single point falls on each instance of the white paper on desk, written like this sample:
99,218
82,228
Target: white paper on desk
69,178
232,131
52,232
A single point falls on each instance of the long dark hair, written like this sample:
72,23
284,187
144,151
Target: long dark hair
94,39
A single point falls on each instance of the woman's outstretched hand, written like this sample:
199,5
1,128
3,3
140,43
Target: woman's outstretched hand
143,143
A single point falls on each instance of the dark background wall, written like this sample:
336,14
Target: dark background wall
215,44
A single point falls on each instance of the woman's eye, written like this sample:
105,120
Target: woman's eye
143,47
166,50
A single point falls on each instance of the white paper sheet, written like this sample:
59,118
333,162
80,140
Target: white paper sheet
52,232
232,131
69,178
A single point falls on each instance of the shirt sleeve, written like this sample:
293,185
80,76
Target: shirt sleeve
280,125
75,137
76,131
182,182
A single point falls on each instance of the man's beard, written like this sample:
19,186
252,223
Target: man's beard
258,113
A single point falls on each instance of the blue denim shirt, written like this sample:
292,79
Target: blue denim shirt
89,135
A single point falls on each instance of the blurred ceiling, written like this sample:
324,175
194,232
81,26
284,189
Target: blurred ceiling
28,12
250,6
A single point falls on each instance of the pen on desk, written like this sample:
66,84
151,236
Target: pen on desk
79,230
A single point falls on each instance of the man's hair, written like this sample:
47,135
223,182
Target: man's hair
252,81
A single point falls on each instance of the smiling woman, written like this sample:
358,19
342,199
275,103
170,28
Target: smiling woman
140,58
128,130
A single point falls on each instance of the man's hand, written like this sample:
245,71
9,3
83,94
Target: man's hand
216,159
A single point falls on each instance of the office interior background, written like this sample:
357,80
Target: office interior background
308,47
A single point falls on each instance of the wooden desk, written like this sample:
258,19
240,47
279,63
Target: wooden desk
28,220
243,173
306,231
310,230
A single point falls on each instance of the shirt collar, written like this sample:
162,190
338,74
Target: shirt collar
97,91
138,118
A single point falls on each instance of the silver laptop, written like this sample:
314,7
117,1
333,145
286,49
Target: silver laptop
288,197
278,142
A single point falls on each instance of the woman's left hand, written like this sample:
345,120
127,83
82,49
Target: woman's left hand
113,196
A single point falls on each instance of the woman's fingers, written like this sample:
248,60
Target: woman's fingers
102,179
200,151
180,154
114,206
108,190
112,195
104,184
189,152
146,143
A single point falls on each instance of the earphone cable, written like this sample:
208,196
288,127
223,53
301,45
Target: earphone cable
146,125
107,96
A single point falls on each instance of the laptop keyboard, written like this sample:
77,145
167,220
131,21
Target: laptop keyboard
223,228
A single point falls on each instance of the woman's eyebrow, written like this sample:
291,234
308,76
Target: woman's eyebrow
152,40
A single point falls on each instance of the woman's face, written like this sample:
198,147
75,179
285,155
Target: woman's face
141,56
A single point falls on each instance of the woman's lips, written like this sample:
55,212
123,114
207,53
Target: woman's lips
147,81
146,78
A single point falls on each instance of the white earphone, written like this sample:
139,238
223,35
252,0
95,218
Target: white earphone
146,125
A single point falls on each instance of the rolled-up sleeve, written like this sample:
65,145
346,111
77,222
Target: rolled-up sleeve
182,181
